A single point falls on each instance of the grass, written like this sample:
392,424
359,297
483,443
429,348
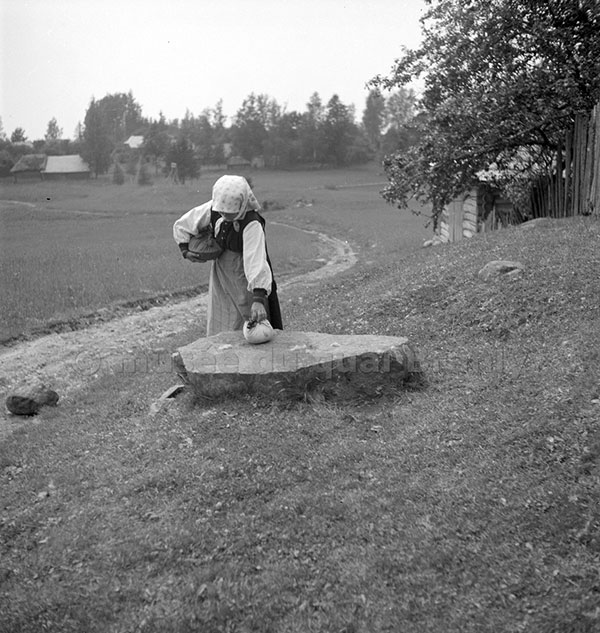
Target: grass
468,504
72,249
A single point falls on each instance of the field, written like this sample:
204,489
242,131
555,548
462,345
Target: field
72,250
467,503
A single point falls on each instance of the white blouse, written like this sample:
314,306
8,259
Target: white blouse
256,267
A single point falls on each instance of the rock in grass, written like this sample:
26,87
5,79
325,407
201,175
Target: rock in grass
168,396
537,223
29,400
496,268
296,362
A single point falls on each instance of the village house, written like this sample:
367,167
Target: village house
42,167
71,167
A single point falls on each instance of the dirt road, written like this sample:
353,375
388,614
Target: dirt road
68,361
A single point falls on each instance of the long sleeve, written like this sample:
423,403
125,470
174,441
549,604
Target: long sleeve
256,268
191,222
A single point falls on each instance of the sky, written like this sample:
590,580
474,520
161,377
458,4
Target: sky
186,55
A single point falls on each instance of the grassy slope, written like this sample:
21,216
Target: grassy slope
467,505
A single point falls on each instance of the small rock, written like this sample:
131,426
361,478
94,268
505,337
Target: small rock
435,241
167,398
30,400
537,223
497,268
172,392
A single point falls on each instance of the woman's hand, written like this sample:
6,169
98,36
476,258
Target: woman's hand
193,257
257,312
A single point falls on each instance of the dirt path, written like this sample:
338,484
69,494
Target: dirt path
68,361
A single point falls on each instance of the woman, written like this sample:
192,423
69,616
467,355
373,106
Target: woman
241,286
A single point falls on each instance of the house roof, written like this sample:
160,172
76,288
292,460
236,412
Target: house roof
135,142
29,162
65,165
237,160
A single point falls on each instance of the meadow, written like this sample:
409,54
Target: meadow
74,251
465,504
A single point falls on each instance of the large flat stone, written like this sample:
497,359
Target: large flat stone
295,361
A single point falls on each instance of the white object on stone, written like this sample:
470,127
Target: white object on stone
258,332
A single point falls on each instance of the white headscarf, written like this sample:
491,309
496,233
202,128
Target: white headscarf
232,194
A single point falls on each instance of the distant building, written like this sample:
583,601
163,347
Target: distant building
63,167
237,161
42,167
134,142
29,167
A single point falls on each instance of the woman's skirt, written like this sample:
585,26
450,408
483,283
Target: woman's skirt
229,301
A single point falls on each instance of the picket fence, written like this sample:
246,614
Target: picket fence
574,186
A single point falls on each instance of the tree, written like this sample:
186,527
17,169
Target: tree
182,154
53,132
122,116
373,119
337,131
499,78
399,115
257,115
78,133
282,147
18,136
157,140
108,123
97,146
310,130
143,177
118,174
6,162
400,108
217,122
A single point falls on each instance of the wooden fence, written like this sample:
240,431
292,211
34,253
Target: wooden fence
574,188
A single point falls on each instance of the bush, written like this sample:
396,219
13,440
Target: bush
118,174
143,175
6,163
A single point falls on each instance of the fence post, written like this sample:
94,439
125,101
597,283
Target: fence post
568,169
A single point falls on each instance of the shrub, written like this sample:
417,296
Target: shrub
118,174
143,175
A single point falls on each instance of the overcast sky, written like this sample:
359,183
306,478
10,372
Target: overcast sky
187,54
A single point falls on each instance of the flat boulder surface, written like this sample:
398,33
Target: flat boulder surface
295,361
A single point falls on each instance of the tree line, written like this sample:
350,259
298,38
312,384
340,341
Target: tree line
324,134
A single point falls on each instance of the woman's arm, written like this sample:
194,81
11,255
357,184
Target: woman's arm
190,224
257,269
